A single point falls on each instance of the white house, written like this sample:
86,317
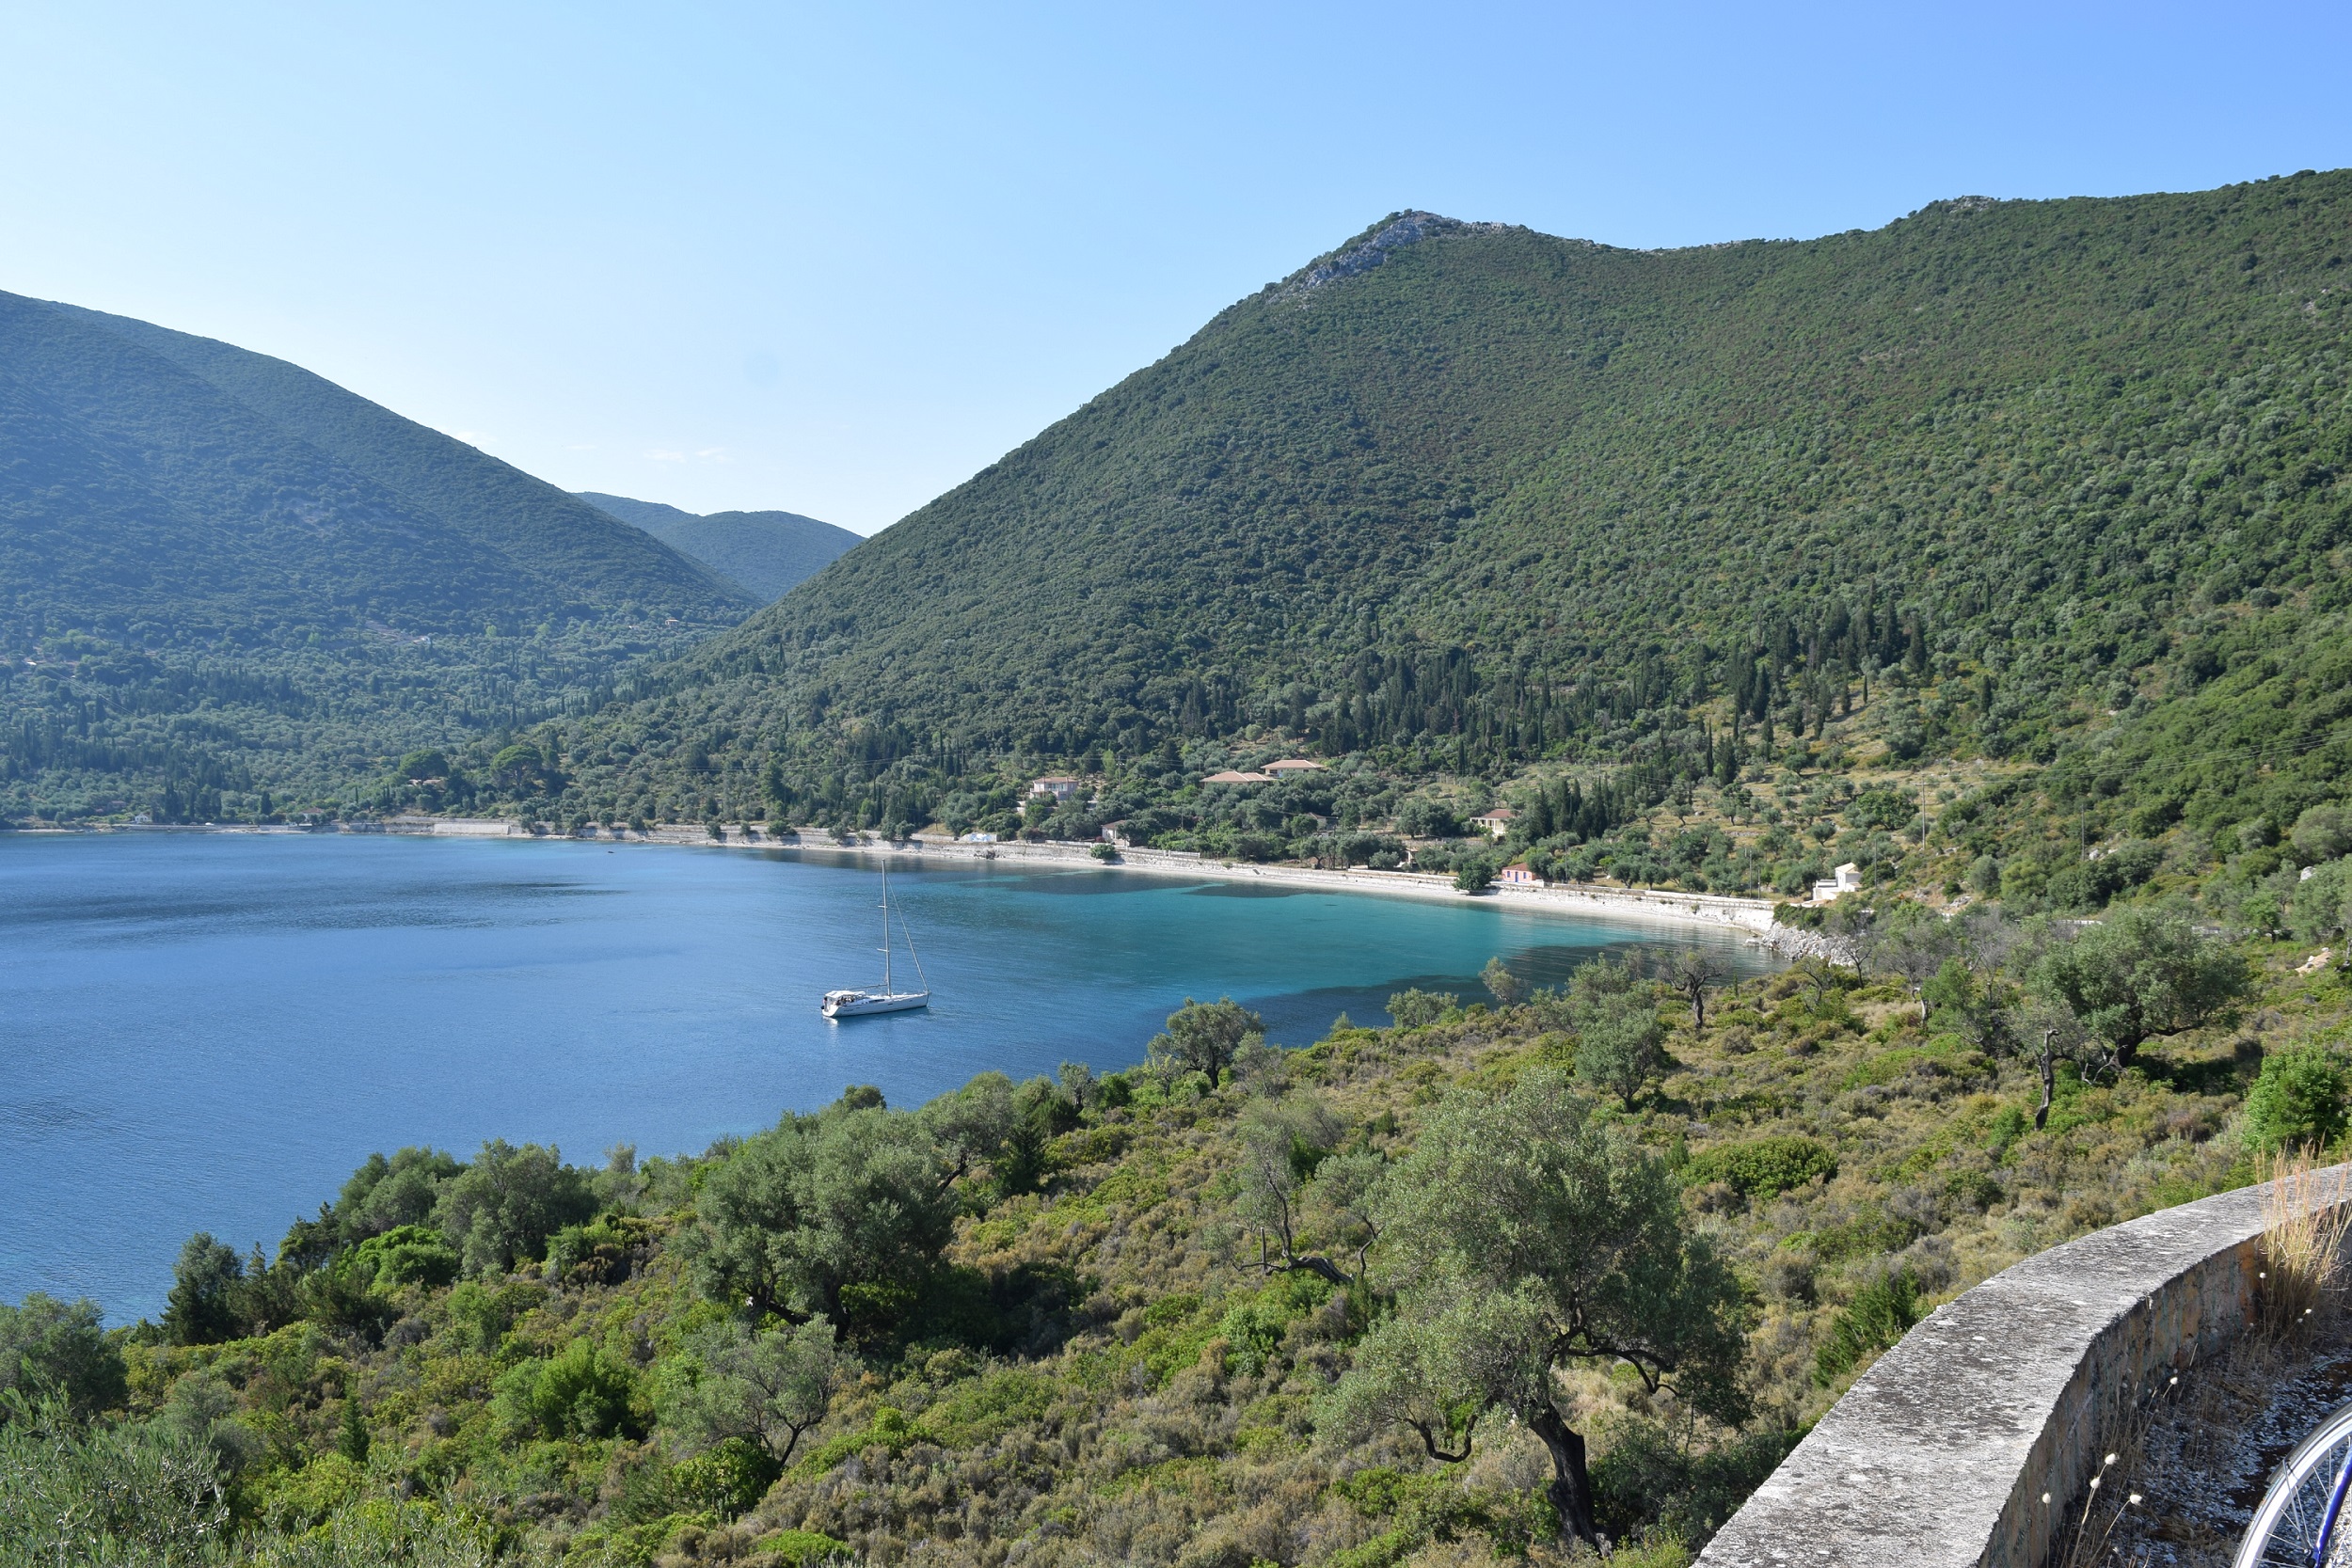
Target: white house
1495,823
1060,786
1846,878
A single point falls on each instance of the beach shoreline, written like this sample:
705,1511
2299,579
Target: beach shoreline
1748,917
1752,917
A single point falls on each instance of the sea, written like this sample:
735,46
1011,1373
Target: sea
209,1031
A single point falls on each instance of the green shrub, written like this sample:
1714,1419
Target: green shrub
728,1478
1762,1167
983,1409
889,1429
1650,1485
802,1548
405,1255
579,1393
1251,1336
1880,1313
1427,1507
2298,1099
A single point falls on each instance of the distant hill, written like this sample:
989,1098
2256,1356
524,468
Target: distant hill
766,552
1463,497
187,526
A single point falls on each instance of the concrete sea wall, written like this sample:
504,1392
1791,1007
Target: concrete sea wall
1940,1456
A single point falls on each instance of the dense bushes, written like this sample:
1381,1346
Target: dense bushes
1762,1167
2298,1099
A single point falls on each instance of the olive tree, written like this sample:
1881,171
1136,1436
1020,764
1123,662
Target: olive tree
1507,988
971,1125
765,1385
50,1349
1914,943
500,1210
1695,973
1340,1199
1204,1037
2140,972
799,1214
1282,1143
1418,1009
1619,1036
1522,1235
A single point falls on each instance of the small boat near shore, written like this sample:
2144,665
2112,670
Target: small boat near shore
889,999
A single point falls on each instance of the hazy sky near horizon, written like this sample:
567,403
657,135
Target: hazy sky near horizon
834,259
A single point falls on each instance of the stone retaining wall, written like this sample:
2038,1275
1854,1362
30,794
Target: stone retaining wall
1940,1454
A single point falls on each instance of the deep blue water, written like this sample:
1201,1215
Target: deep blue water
207,1031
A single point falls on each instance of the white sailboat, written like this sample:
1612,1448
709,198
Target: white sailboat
856,1003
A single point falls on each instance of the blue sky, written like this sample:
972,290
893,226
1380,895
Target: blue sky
834,259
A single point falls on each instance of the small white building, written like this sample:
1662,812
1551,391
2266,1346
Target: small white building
1846,878
1060,786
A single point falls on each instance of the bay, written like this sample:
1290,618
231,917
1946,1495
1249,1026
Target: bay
209,1031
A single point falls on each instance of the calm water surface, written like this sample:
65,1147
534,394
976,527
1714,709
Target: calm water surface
207,1031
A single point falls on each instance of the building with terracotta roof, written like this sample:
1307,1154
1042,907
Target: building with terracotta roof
1294,765
1230,777
1495,823
1517,875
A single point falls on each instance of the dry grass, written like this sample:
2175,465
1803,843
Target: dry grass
2306,1209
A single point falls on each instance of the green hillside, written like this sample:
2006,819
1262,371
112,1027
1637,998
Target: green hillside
2001,484
767,553
220,574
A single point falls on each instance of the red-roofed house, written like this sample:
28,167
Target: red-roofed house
1230,777
1516,875
1495,823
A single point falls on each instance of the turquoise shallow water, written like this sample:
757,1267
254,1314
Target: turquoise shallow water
209,1031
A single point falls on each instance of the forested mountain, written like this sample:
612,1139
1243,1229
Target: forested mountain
2012,481
764,552
219,572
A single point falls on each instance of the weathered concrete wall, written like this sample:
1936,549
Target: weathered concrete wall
1940,1454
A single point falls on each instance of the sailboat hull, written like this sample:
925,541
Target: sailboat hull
859,1003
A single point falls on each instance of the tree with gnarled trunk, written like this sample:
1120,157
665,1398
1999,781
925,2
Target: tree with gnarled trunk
1695,973
1521,1236
1282,1143
1204,1037
2140,972
767,1385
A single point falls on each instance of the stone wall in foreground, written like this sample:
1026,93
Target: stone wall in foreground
1940,1454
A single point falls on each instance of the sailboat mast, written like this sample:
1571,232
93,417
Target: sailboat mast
887,988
